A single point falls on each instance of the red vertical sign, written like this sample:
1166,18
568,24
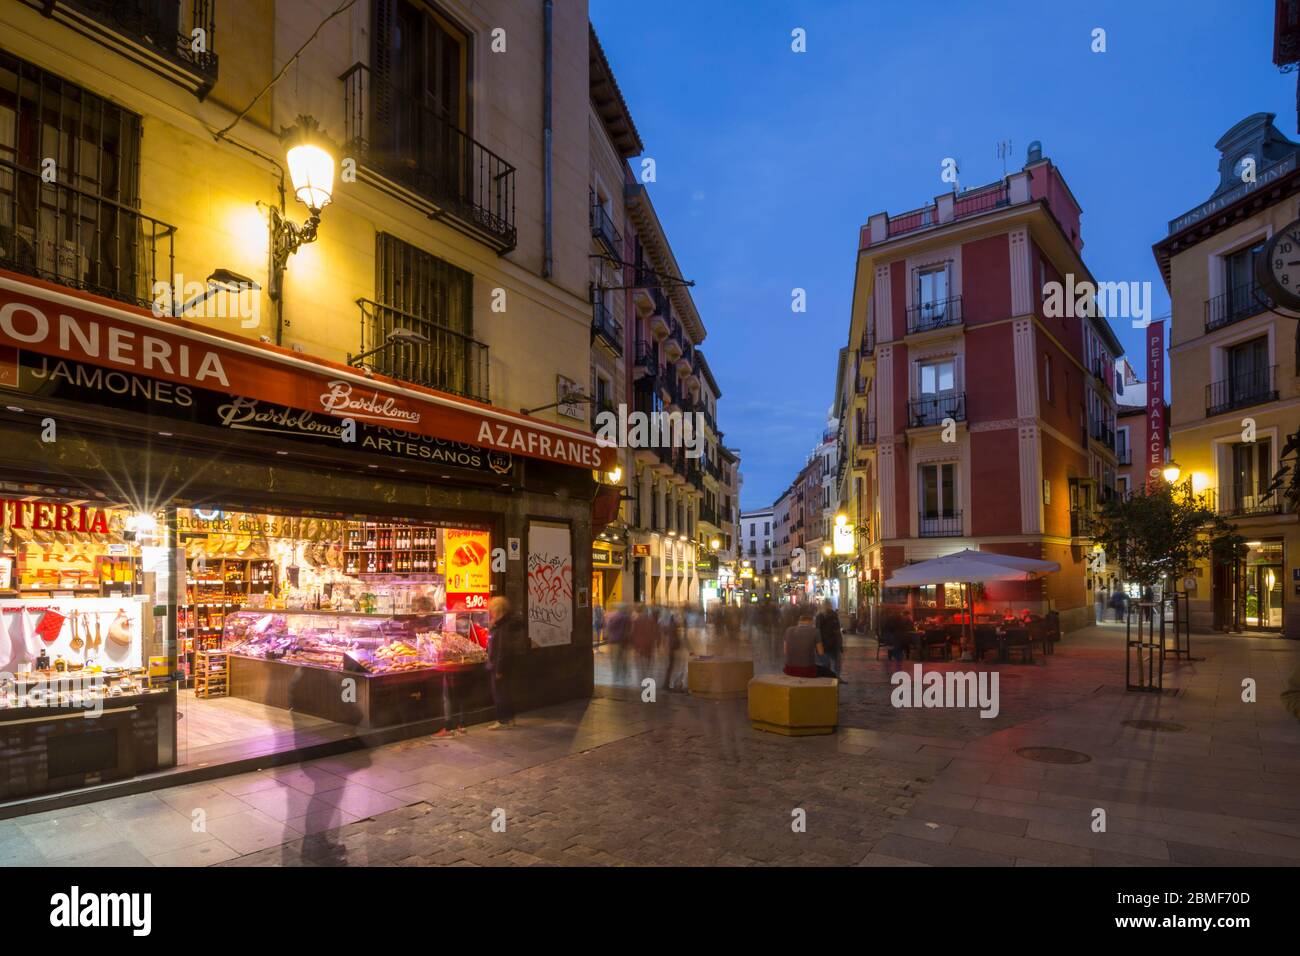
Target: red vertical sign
1155,447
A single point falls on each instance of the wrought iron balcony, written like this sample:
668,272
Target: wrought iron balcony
1235,305
934,409
647,357
1241,390
925,316
1242,502
868,344
936,525
866,430
1102,432
158,34
449,361
1080,520
415,147
55,231
605,327
602,228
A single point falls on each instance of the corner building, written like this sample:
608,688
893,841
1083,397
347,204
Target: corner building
978,421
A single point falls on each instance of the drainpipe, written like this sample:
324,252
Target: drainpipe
548,31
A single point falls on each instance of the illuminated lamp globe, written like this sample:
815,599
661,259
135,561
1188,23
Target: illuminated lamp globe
1171,471
311,164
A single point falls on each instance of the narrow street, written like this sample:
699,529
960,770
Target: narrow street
686,781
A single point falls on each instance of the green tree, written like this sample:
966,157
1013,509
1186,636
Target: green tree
1161,533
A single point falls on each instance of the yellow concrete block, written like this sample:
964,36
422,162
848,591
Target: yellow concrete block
719,678
794,706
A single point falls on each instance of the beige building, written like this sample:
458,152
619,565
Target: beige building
1233,371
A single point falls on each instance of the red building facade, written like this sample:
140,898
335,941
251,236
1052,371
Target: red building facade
988,415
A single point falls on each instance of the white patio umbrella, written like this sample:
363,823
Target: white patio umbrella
968,567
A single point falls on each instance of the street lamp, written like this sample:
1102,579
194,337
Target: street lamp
1172,471
568,398
310,157
715,544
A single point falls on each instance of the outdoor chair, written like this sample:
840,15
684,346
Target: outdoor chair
1017,639
936,639
883,643
986,639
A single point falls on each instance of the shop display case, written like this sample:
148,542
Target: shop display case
299,660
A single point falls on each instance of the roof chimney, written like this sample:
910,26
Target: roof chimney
1035,153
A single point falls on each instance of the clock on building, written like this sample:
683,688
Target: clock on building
1277,269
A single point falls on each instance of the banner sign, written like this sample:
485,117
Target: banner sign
74,326
1154,453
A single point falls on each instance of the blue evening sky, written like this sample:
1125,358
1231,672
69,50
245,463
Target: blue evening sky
768,161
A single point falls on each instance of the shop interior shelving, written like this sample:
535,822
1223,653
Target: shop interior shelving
211,673
390,549
223,585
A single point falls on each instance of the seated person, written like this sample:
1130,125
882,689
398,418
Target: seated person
802,645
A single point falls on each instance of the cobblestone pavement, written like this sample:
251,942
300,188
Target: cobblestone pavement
614,780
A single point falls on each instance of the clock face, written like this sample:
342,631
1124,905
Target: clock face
1278,269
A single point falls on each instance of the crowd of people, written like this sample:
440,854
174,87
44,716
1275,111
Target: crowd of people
656,641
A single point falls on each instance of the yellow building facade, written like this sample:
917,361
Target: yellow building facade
1233,374
528,303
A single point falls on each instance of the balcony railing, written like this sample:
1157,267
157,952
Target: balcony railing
449,361
868,344
163,28
1080,521
55,231
1102,432
1238,391
934,525
925,316
1235,305
647,356
606,327
416,147
1238,502
933,410
602,228
982,199
866,430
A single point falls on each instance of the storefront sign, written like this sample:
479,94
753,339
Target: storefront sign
53,516
1155,349
603,557
78,381
550,584
72,326
469,573
843,539
640,550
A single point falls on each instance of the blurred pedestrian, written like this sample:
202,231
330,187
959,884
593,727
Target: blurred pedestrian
645,635
675,652
617,626
505,644
598,622
828,628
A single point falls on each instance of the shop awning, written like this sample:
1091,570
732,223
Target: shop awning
69,324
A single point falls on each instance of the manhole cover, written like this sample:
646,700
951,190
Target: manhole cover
1053,755
1167,726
